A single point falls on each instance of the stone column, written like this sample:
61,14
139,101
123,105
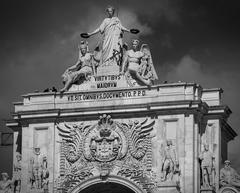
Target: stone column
189,170
27,150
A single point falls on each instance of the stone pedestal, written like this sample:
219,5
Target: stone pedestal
109,68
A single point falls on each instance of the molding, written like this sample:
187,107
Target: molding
230,134
173,107
112,179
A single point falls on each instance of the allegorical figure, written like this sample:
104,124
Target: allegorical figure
17,173
112,31
147,70
139,64
45,175
169,161
5,184
35,170
81,70
229,176
207,167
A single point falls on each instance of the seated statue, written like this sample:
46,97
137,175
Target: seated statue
147,69
138,64
229,176
81,70
6,184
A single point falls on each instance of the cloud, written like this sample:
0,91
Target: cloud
131,20
156,10
187,69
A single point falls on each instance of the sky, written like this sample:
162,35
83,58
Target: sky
190,40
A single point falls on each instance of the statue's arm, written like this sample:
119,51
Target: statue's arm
223,181
93,65
100,29
201,156
175,156
125,29
75,67
94,32
236,175
124,63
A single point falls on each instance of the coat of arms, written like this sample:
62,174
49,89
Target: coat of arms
106,142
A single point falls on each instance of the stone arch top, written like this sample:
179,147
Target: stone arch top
111,179
228,189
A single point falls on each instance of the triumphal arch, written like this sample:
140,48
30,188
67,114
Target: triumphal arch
111,129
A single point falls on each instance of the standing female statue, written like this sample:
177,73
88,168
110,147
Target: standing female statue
112,31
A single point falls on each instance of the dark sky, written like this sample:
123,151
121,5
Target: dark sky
190,40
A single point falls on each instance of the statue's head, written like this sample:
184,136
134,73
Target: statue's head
169,142
37,150
18,156
44,162
135,44
83,47
206,147
5,176
110,11
227,164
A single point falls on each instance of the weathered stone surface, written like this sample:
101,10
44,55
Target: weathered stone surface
126,147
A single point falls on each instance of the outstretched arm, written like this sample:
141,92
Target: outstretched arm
125,29
94,32
99,29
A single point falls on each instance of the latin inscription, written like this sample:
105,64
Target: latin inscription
107,81
108,78
106,95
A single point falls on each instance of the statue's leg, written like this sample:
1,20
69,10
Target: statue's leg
210,180
70,79
171,169
139,77
18,186
165,167
68,83
213,176
164,171
206,177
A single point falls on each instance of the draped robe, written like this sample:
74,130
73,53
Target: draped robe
111,29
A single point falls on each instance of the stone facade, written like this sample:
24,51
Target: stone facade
110,129
73,140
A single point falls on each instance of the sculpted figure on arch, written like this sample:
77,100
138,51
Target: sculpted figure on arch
112,31
207,166
81,70
17,168
170,162
229,176
138,63
5,184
